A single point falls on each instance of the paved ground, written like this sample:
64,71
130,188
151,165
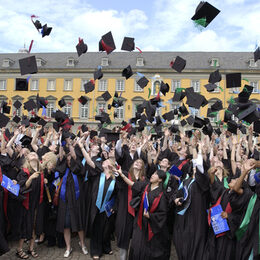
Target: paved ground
50,253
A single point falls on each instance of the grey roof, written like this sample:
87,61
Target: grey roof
152,60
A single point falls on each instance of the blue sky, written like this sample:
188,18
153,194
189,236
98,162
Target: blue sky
159,25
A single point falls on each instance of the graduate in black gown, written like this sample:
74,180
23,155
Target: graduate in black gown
150,232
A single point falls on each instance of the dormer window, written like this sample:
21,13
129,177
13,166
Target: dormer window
214,62
70,62
40,62
104,62
252,63
140,61
7,63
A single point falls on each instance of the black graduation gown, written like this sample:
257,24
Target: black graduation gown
186,168
71,204
190,230
34,213
157,248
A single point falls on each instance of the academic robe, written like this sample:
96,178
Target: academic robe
143,246
184,166
71,205
190,230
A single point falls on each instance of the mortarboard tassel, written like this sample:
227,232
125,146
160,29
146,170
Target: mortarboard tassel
149,94
214,113
221,89
178,90
200,23
245,80
231,100
30,47
139,49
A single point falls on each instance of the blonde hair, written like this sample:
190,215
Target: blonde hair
50,158
28,166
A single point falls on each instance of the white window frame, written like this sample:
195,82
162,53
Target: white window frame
120,112
175,84
255,85
102,85
101,105
140,62
175,105
50,108
2,84
83,82
234,90
120,85
70,62
67,109
51,87
137,88
194,111
196,85
34,85
7,63
216,90
84,111
252,63
213,61
68,85
104,61
154,92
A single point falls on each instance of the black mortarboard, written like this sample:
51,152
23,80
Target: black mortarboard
150,111
242,129
210,87
16,119
93,133
140,108
56,126
62,103
233,80
26,140
194,100
176,112
198,122
183,122
106,95
257,54
59,116
29,105
208,130
84,128
158,120
127,72
178,96
164,88
3,120
188,133
174,128
83,100
215,77
257,127
89,86
37,24
227,116
28,65
217,131
205,11
25,121
177,138
217,106
21,85
98,74
190,120
142,82
254,116
107,43
46,30
232,107
183,110
232,126
41,102
168,116
42,122
112,137
128,44
242,114
17,104
81,48
34,119
178,64
6,108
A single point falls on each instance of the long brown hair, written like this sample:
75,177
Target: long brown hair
141,173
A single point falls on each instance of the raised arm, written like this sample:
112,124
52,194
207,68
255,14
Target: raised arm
85,154
35,138
233,152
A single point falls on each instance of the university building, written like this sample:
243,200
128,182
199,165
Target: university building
63,75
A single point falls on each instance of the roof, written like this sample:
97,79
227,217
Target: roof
152,60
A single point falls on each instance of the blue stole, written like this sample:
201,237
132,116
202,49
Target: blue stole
101,190
64,182
86,174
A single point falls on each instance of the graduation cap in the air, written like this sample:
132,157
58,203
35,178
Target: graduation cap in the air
46,30
244,113
127,72
37,24
28,65
190,120
215,77
16,119
25,121
150,111
168,116
128,44
107,43
205,13
232,126
26,140
254,116
198,122
208,130
210,87
183,110
106,95
34,119
5,108
174,128
81,47
183,122
62,102
59,116
217,106
164,88
142,82
195,100
3,120
17,104
21,85
83,100
98,74
178,64
179,96
257,54
233,80
30,105
42,122
89,86
41,102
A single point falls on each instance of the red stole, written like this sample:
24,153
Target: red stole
228,210
5,195
182,164
27,195
152,209
131,210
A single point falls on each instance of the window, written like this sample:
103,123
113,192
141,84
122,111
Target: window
83,82
7,63
138,88
216,90
175,84
50,108
104,62
67,109
2,84
234,90
194,111
156,87
252,63
196,85
255,85
101,107
102,85
214,62
34,84
70,62
175,105
68,85
51,84
140,62
40,62
84,111
120,112
120,85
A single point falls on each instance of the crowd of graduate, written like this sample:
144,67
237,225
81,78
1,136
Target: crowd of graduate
199,193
